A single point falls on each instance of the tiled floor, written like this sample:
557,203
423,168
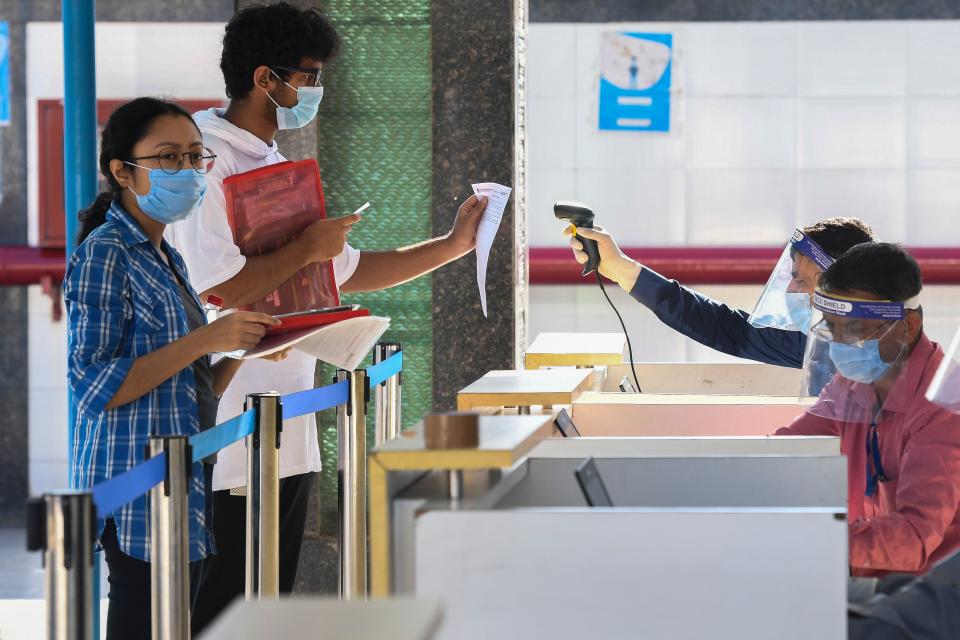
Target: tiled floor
22,610
21,572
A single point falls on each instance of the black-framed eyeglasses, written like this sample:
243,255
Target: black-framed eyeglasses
171,161
314,77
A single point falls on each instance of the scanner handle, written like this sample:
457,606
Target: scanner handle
592,249
580,215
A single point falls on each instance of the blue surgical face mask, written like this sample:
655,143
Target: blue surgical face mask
172,196
799,311
859,363
302,113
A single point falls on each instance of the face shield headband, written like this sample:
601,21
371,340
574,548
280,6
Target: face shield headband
846,307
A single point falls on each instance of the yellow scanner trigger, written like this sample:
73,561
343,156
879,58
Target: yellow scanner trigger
573,230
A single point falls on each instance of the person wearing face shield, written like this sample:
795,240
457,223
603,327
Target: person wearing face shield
903,451
927,607
776,331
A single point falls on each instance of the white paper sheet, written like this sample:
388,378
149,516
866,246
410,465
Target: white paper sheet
343,344
497,196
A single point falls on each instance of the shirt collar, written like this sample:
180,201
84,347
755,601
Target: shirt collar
133,235
130,231
907,389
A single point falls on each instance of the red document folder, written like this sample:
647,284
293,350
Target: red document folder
313,319
266,209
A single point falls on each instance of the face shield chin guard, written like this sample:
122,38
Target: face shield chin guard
858,353
783,304
944,389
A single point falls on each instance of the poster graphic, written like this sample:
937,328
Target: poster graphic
635,76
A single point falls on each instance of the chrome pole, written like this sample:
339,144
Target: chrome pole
387,397
352,486
263,498
170,541
61,524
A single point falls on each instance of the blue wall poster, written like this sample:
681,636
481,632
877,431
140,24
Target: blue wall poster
635,70
4,73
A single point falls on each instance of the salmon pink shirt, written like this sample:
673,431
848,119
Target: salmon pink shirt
912,520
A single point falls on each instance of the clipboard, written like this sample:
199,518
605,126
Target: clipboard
266,209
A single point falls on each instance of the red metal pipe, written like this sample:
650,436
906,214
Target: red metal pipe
21,265
719,265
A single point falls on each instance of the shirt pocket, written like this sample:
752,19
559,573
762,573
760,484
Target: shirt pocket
157,319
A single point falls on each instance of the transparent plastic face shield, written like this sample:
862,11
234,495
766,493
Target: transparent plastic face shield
785,301
867,344
862,345
944,389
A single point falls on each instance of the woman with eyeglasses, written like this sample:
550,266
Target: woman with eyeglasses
139,345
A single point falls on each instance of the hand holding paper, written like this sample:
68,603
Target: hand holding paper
463,235
497,196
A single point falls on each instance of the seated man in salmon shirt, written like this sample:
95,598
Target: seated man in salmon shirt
926,607
903,451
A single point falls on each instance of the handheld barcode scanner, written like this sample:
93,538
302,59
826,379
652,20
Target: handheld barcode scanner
580,215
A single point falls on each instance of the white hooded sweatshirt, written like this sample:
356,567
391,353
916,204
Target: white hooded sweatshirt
206,243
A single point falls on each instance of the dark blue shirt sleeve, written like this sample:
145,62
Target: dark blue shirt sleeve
716,325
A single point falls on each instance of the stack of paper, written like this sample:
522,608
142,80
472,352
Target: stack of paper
343,344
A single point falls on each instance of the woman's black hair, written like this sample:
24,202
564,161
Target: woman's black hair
127,126
275,35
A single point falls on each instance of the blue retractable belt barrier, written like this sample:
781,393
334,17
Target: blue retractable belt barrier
129,485
385,370
313,400
208,442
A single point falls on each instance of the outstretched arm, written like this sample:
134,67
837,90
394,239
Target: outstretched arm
384,269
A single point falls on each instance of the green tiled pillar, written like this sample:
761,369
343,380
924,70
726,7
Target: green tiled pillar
374,144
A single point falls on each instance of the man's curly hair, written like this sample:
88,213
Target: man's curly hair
275,35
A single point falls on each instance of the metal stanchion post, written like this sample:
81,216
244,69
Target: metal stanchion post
263,497
455,484
170,541
352,493
387,397
62,526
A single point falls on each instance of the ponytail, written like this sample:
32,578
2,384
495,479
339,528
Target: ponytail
125,128
94,215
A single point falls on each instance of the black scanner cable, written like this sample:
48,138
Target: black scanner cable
626,335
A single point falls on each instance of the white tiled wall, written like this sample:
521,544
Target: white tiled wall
774,125
47,380
132,60
852,58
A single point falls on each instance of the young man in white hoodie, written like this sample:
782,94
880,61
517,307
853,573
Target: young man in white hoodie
272,62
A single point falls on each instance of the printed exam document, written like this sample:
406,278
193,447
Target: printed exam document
497,196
